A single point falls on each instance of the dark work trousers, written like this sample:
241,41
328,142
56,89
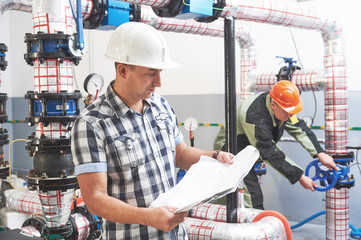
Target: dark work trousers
253,196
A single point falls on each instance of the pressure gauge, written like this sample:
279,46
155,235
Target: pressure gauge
93,84
190,124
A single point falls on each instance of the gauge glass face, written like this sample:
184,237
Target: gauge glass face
190,124
93,84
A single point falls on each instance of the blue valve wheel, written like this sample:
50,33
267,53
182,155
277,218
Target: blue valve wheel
327,178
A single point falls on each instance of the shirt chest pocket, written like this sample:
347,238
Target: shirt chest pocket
166,132
128,150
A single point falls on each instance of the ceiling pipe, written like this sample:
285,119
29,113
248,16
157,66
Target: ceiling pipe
20,5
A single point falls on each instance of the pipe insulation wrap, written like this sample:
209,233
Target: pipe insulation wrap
86,8
53,130
244,36
337,214
82,226
56,207
284,13
23,201
218,213
266,228
52,16
30,231
21,5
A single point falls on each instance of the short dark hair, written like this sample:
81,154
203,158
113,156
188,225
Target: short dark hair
131,67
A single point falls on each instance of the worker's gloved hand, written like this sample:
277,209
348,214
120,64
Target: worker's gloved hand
307,183
327,160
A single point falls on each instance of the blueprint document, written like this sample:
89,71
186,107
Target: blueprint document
208,180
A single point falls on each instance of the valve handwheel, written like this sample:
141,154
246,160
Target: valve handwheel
328,178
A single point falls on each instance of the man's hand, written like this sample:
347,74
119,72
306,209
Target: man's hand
307,183
225,157
164,218
327,160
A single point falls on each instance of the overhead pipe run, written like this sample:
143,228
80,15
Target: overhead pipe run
21,5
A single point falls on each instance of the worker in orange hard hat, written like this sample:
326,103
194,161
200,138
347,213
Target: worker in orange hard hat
261,121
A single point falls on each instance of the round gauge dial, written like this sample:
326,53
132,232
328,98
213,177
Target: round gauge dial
93,84
190,124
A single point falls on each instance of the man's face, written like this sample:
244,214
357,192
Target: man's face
280,114
143,81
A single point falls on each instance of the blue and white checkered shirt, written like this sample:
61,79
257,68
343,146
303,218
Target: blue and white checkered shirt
137,152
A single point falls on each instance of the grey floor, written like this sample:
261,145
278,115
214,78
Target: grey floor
308,231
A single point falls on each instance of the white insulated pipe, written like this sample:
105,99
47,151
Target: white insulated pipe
21,5
218,213
268,227
243,35
54,206
23,201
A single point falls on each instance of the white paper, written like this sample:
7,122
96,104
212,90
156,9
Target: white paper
208,180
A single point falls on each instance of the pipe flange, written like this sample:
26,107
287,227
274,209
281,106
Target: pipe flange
44,144
3,115
36,222
4,137
135,13
343,158
51,184
44,107
218,6
94,222
4,172
3,63
97,15
171,10
63,232
42,46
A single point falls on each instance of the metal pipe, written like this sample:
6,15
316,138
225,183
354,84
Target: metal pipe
21,5
230,107
266,228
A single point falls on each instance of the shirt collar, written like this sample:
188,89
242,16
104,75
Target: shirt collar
268,105
118,105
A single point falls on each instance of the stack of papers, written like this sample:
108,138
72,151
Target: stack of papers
208,180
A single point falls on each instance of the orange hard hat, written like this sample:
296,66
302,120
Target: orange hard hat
287,96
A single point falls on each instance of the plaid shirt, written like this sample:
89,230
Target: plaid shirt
137,152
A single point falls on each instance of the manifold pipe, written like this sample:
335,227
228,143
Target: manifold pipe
265,225
333,81
54,76
291,14
243,35
21,5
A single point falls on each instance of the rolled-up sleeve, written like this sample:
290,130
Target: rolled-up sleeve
87,148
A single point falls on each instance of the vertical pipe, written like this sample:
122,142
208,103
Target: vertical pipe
230,102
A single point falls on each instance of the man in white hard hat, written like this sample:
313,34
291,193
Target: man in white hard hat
127,144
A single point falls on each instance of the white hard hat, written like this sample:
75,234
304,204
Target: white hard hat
139,44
